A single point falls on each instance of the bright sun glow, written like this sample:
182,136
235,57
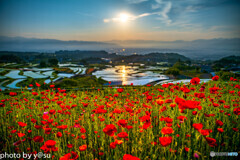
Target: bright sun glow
124,17
123,70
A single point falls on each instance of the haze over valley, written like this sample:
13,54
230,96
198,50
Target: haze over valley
202,49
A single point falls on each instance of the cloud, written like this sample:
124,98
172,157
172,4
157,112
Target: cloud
128,17
165,8
135,1
163,13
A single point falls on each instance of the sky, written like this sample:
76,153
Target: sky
106,20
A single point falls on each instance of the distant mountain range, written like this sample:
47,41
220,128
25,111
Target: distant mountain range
49,45
196,49
203,43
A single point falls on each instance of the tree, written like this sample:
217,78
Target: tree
10,58
53,62
173,71
188,62
43,64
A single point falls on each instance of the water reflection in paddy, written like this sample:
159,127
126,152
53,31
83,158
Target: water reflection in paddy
14,74
14,83
128,75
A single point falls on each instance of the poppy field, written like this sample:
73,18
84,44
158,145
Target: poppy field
168,121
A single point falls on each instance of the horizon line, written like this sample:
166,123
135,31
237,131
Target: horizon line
216,38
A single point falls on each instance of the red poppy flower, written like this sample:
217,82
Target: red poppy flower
62,127
38,139
49,146
110,129
236,111
37,84
122,135
37,126
197,126
194,112
70,156
187,149
165,141
34,93
45,117
59,134
235,129
47,130
211,141
123,123
181,118
50,143
120,90
219,123
215,78
52,111
82,130
83,147
130,157
69,145
2,105
85,104
21,134
21,124
167,130
66,157
113,145
129,127
195,81
205,132
12,93
220,130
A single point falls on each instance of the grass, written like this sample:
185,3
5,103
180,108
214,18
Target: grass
81,82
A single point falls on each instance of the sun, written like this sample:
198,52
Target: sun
123,17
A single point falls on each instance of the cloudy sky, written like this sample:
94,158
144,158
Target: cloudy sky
104,20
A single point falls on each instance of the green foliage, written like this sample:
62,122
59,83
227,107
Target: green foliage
173,71
225,75
43,64
67,83
226,62
80,82
183,66
53,62
4,72
10,58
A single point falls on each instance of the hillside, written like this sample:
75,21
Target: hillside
227,62
153,57
77,55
